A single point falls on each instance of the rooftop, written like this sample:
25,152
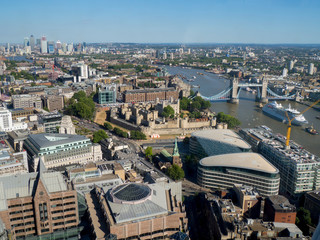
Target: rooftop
281,203
44,140
225,136
251,161
22,185
154,204
277,141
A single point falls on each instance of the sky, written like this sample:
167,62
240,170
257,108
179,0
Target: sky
162,21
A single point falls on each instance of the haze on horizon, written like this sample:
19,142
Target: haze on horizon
142,21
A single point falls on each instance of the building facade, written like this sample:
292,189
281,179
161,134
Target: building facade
53,102
251,169
136,211
278,209
57,150
39,205
299,169
150,95
216,141
107,94
26,101
6,123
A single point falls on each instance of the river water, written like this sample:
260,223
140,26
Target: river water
248,112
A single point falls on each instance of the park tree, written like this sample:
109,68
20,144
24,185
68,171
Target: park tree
175,172
148,153
230,120
134,134
99,136
303,220
108,126
168,111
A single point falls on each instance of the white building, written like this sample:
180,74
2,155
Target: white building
44,45
80,70
284,72
6,123
311,69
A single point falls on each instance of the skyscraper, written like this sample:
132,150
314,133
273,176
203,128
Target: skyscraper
58,44
311,69
291,65
50,47
44,45
26,42
32,42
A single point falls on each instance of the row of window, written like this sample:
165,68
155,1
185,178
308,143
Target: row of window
65,210
20,205
67,197
16,212
60,204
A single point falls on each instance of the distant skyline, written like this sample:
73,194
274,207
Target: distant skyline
175,21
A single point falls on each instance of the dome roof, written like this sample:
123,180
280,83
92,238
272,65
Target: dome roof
130,192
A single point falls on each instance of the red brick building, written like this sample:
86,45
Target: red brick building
150,94
278,209
39,204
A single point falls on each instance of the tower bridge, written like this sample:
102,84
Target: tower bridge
264,93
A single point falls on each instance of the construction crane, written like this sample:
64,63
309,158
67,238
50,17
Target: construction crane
290,120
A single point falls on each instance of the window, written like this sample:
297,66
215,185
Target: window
43,212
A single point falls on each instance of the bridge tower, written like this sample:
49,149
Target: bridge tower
234,84
264,88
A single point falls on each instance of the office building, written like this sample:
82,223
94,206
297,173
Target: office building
100,174
6,123
285,72
311,69
80,70
64,47
251,169
50,47
58,45
164,56
53,102
32,42
51,122
12,163
216,141
26,101
107,94
70,48
26,42
44,45
278,209
299,169
291,65
135,211
248,199
39,205
57,150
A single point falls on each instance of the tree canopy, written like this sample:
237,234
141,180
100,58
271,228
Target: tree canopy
303,220
230,120
108,126
168,111
175,172
81,106
194,106
99,136
148,153
137,135
120,132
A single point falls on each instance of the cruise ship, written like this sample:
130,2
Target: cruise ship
277,111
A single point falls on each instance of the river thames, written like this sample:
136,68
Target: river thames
247,111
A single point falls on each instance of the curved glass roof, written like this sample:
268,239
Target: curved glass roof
131,192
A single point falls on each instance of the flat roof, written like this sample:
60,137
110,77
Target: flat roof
226,136
253,161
